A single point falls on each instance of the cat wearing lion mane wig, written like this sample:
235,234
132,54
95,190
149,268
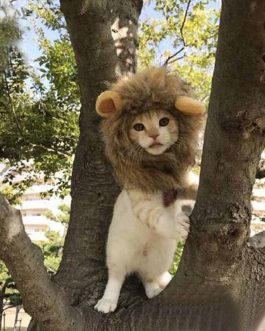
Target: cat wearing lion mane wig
150,129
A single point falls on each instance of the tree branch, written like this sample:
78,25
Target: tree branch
183,23
42,298
171,59
19,129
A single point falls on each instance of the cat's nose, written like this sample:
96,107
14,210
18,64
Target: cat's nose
153,135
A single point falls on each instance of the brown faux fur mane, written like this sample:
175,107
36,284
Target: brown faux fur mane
151,90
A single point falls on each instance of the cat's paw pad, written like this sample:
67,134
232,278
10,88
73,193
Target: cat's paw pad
183,226
152,289
106,305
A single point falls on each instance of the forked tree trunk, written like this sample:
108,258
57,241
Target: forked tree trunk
215,257
220,278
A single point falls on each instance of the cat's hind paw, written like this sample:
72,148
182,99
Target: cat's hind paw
152,289
106,305
164,279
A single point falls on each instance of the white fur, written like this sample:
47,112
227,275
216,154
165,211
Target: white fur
143,234
142,238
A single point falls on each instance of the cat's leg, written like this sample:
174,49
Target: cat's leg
153,288
173,227
164,279
167,224
149,209
182,226
109,301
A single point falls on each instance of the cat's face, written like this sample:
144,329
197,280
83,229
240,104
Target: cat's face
154,131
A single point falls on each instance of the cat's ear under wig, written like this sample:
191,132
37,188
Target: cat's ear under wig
189,106
108,103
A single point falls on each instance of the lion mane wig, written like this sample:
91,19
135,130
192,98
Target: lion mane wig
150,90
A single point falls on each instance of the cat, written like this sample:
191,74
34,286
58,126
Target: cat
151,146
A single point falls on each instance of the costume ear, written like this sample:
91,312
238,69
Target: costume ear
108,103
189,106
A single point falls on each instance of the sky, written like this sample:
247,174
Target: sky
29,45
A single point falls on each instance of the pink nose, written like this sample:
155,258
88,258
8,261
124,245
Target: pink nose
154,136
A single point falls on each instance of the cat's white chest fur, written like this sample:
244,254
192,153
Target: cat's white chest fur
142,238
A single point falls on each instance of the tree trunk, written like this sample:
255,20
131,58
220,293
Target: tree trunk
104,37
234,140
217,285
220,221
216,253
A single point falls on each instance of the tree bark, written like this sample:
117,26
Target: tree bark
219,277
216,250
234,140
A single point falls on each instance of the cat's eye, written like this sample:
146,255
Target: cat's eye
164,121
138,127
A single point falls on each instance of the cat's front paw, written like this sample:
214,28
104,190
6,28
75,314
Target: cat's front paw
182,226
106,305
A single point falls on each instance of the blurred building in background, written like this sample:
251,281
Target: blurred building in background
35,207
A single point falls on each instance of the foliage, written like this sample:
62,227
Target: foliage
62,216
3,273
190,35
13,196
9,34
10,294
52,248
39,111
177,258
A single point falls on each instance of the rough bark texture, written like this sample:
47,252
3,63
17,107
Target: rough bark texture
219,277
216,250
233,140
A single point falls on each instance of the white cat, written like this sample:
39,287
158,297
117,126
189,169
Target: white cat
143,234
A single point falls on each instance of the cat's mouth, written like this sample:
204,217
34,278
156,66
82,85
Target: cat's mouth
155,144
156,148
